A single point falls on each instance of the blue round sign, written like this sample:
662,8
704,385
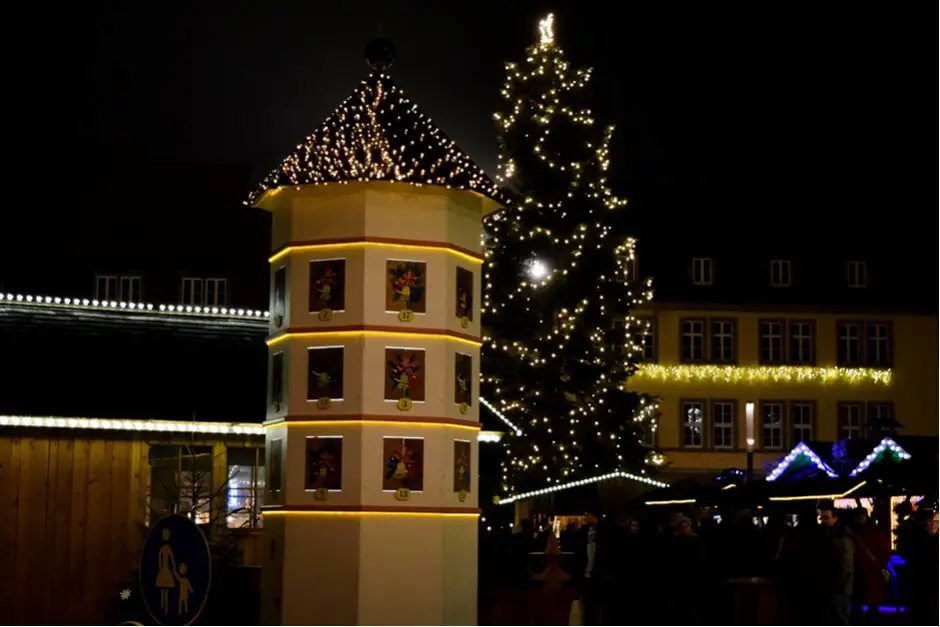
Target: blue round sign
175,571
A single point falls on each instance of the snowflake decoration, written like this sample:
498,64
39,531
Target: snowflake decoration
125,594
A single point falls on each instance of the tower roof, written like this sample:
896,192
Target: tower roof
378,134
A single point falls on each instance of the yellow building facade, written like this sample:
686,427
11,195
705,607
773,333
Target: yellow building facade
811,376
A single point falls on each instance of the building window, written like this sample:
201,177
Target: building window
106,287
780,273
645,340
850,344
771,342
879,344
648,433
693,340
693,423
801,417
129,289
723,424
722,341
850,420
117,288
702,271
215,292
772,426
192,291
245,486
802,343
881,420
181,481
857,273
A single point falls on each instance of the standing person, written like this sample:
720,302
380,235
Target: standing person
837,566
586,572
872,552
686,573
919,549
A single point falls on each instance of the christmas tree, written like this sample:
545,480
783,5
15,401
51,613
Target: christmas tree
558,287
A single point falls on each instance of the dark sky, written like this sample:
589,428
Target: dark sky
750,107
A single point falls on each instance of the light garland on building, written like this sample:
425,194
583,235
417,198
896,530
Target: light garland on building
163,426
886,444
800,450
90,304
377,134
761,374
581,482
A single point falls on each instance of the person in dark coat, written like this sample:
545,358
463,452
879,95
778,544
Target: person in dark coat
837,565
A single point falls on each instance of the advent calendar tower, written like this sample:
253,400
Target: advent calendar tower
370,509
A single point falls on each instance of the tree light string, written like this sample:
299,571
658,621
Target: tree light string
559,286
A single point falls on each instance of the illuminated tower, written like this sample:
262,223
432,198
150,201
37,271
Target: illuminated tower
371,510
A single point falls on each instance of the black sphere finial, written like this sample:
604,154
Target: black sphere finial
380,54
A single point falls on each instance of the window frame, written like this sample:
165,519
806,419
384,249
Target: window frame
212,286
791,358
256,490
782,263
703,280
783,342
703,405
682,334
195,281
733,359
640,335
732,426
108,296
761,440
889,341
841,424
204,510
861,271
792,423
860,324
869,406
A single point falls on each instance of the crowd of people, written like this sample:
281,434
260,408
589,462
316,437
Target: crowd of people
821,566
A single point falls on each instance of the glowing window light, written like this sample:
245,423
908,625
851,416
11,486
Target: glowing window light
612,475
798,450
761,374
500,415
115,307
886,444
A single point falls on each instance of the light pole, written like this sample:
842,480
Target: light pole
749,421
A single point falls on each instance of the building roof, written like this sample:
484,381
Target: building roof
138,364
378,134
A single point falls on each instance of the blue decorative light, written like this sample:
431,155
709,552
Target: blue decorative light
800,449
886,444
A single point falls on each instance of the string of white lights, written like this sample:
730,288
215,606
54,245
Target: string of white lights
161,426
111,305
500,415
798,450
564,486
886,444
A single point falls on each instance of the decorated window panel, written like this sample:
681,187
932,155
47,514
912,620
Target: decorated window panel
277,381
323,466
402,465
327,287
405,288
324,375
279,307
462,468
405,374
464,295
463,378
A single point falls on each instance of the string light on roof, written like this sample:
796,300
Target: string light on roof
887,444
800,450
378,134
115,306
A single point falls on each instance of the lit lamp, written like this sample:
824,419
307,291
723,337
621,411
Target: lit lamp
749,426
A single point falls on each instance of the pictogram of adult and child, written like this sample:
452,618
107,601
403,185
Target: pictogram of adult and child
169,576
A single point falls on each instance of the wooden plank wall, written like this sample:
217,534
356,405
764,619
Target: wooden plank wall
72,510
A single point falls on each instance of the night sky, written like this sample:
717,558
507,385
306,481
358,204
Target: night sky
739,110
